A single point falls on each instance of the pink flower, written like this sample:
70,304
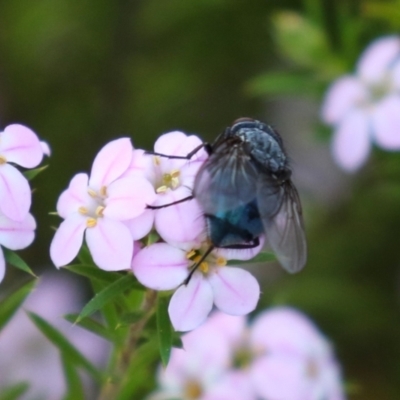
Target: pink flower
99,206
232,290
365,107
293,361
201,370
15,235
173,180
18,145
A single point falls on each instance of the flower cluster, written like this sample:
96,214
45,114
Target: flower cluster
365,107
109,208
18,146
280,356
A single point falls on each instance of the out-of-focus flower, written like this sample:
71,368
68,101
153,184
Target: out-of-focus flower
99,206
173,181
293,361
27,356
200,371
281,356
365,107
232,290
18,145
15,235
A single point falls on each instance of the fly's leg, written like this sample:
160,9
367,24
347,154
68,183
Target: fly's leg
254,243
188,156
195,266
240,246
170,204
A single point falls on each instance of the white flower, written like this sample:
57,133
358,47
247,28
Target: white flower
365,107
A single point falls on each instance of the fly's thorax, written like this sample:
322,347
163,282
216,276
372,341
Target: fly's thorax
265,150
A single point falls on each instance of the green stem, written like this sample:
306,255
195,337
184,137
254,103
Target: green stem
111,387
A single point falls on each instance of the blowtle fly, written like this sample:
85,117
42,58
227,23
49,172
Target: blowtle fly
245,191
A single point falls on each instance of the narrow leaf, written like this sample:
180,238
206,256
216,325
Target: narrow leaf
164,329
73,381
93,326
65,347
15,260
33,172
10,304
92,272
84,255
107,294
14,392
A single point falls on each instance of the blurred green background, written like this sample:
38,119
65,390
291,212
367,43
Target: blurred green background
83,72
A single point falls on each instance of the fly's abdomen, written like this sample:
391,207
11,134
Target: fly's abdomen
239,226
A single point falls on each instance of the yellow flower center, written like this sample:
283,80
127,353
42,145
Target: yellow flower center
97,212
193,390
3,160
206,265
91,222
169,181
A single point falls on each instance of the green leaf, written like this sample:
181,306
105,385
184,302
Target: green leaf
64,346
139,379
84,255
164,329
103,297
15,260
131,317
10,304
93,326
73,381
263,257
14,392
33,172
92,272
259,258
177,341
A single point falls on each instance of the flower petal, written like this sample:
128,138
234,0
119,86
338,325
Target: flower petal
75,196
128,197
286,330
377,58
240,254
281,377
2,265
111,162
110,244
17,235
234,385
236,291
182,222
68,240
15,193
160,266
395,72
45,148
342,96
21,146
177,143
386,123
190,304
351,141
141,225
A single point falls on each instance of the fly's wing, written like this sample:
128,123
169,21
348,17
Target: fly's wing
227,180
281,213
